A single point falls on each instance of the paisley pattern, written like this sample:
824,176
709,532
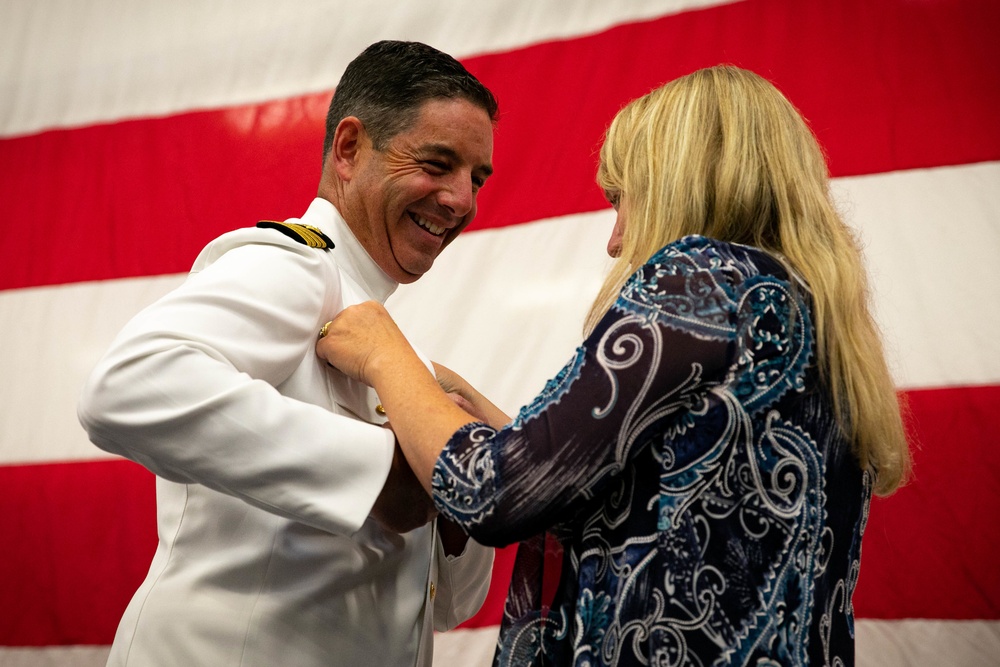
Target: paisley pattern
686,464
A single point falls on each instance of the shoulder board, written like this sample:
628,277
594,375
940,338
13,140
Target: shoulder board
307,234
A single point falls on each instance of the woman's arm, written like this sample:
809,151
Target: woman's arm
369,347
644,375
610,400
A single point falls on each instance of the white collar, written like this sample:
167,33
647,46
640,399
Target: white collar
353,258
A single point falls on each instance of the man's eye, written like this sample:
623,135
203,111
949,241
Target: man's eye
436,165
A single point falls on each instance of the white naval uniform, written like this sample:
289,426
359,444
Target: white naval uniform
265,473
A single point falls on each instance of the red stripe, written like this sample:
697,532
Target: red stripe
492,610
930,550
887,85
78,537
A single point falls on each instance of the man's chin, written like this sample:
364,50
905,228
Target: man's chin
408,278
411,273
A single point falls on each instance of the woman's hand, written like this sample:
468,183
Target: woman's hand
366,345
361,340
467,397
450,381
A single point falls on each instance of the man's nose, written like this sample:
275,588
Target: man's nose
459,196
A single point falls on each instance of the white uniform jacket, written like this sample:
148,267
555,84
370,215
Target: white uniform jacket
268,463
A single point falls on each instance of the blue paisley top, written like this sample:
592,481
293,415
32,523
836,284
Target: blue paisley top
702,506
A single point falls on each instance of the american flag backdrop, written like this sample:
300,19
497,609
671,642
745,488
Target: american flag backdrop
132,133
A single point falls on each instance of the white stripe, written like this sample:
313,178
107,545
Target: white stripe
878,644
932,242
468,648
67,63
505,307
927,642
55,656
52,337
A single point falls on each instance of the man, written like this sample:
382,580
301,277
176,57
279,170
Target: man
291,531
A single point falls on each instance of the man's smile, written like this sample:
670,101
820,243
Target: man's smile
427,224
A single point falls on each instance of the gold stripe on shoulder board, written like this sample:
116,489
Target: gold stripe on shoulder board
305,234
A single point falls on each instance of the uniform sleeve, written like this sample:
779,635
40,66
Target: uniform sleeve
461,583
188,390
640,374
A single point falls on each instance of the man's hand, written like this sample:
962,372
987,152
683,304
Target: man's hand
453,538
403,505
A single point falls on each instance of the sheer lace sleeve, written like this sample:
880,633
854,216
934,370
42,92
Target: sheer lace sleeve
644,371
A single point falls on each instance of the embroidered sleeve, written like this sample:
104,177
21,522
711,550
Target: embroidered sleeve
644,371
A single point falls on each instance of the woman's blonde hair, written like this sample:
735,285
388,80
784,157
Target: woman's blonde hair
722,153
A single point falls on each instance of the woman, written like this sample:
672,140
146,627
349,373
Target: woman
707,458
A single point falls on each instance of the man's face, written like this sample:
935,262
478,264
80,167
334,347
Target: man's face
414,197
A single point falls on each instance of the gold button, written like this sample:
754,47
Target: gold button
379,409
433,590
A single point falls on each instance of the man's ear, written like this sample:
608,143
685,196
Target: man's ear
348,140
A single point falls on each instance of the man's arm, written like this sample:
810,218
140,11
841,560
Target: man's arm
188,390
403,505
